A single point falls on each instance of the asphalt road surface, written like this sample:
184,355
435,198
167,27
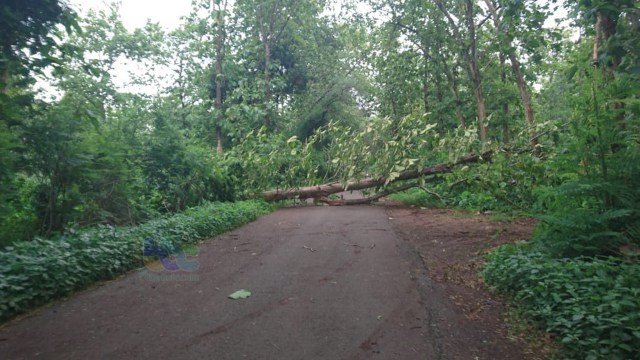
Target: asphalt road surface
325,282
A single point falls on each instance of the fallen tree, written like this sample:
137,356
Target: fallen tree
320,192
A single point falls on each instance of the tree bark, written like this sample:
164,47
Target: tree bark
475,70
322,191
505,103
266,43
4,79
220,40
525,96
268,36
369,199
479,95
469,52
453,86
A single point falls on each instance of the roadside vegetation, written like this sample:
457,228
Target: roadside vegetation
249,96
35,272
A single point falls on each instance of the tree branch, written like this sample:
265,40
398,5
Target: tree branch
319,191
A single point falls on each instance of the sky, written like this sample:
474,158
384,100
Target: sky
135,13
168,13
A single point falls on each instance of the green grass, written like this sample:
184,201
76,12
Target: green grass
417,197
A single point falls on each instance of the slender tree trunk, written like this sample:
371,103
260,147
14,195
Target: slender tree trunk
469,52
605,29
267,83
425,77
505,103
475,70
4,79
596,43
479,95
425,93
525,96
220,40
268,36
451,82
453,86
439,97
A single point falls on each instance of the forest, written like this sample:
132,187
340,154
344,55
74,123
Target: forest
531,107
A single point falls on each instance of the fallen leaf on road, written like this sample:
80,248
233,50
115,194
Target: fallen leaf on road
240,294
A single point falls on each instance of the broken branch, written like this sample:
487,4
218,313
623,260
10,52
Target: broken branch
321,192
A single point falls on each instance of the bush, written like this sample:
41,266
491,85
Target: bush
417,197
592,305
589,217
35,272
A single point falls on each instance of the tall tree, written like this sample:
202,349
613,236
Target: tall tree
469,50
27,30
505,35
220,14
269,19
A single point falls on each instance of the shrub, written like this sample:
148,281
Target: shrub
592,305
35,272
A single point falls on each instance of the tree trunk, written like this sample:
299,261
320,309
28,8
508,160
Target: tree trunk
219,148
525,96
506,132
606,27
425,93
453,86
470,55
472,59
439,97
526,100
479,95
220,40
4,78
425,77
267,83
505,104
322,191
268,37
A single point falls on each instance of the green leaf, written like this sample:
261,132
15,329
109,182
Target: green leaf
240,294
571,72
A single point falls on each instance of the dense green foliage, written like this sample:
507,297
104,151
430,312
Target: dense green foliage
592,306
35,272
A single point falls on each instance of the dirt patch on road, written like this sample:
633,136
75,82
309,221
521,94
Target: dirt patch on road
452,246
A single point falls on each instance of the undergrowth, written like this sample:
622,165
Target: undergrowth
36,272
592,305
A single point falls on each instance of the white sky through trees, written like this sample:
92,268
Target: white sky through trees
168,13
135,13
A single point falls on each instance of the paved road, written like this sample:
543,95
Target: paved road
326,283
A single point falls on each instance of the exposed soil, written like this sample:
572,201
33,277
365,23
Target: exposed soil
365,282
452,246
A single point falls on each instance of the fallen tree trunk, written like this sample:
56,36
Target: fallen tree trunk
321,192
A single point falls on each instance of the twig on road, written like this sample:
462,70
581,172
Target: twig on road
309,248
356,245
